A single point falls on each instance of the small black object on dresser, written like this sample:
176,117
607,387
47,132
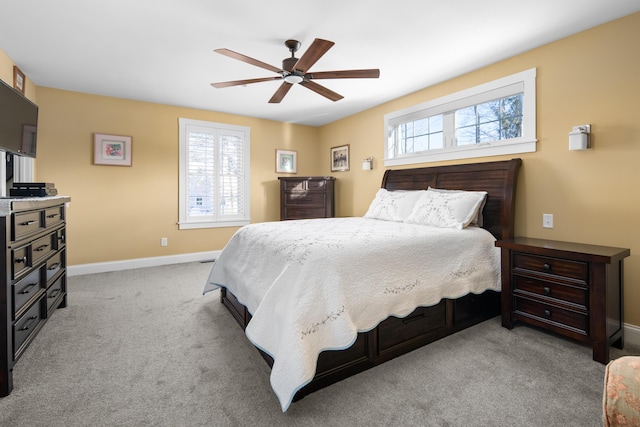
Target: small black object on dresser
33,282
306,197
573,289
33,189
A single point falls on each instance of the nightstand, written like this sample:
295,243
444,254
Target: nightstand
573,289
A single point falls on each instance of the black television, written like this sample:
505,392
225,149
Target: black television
18,122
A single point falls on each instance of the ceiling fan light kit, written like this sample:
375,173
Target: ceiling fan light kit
295,71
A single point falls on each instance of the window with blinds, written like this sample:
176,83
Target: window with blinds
214,174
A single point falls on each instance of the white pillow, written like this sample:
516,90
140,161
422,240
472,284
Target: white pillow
393,205
478,220
447,209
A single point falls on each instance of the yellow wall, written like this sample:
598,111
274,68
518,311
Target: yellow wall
592,77
121,213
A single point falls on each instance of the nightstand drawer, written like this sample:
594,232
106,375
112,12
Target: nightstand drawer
565,293
547,265
551,314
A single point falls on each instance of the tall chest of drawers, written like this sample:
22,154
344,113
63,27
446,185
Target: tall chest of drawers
33,282
306,197
573,289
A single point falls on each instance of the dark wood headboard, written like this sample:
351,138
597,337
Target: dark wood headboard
498,179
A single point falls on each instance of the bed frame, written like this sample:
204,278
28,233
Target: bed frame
396,336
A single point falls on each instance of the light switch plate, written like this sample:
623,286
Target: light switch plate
547,220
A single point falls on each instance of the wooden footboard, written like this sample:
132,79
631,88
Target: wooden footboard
391,338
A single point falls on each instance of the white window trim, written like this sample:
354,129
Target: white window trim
184,223
524,144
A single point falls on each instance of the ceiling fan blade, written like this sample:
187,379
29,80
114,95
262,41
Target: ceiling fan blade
322,90
280,93
248,60
345,74
243,82
318,48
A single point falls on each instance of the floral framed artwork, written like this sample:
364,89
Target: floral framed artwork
286,161
18,80
111,150
340,158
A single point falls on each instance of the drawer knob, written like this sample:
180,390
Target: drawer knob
546,290
27,223
41,248
54,266
547,313
546,267
19,260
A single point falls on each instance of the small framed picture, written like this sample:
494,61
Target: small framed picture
18,80
340,158
112,150
286,161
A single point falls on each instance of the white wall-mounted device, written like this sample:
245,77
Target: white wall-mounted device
580,137
367,164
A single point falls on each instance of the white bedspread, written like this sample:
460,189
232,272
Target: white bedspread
312,285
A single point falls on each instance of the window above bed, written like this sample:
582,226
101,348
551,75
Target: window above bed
214,174
495,118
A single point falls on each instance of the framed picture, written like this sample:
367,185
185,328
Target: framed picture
286,161
112,150
340,158
18,80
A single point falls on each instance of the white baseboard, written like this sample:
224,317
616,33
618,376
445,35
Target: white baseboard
631,335
104,267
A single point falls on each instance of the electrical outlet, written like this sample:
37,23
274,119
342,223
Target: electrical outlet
547,220
164,242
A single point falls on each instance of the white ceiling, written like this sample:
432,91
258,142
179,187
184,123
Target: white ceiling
162,50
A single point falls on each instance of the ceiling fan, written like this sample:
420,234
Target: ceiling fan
296,71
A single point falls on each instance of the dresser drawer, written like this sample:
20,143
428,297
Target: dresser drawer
549,313
305,198
565,293
304,212
26,223
54,265
55,292
54,216
26,290
42,247
559,267
26,326
20,261
422,321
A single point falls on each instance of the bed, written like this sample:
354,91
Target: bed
325,299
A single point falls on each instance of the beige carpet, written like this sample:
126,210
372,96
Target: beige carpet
146,348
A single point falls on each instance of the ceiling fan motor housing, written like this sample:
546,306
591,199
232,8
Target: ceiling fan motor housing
289,63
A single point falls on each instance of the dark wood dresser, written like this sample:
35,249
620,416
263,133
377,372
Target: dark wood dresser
569,288
33,282
306,197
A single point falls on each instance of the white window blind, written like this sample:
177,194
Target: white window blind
214,174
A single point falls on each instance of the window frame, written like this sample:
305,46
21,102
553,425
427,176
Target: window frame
211,221
524,81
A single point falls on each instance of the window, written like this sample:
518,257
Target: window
214,174
492,119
